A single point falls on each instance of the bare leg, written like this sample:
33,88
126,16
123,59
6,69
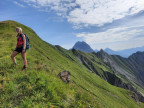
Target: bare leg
13,56
23,54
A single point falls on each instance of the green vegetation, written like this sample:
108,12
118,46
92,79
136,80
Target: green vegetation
39,85
129,65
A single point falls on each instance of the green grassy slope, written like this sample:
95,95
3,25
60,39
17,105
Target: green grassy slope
105,71
132,67
127,70
39,85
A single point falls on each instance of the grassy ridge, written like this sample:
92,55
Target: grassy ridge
39,86
130,65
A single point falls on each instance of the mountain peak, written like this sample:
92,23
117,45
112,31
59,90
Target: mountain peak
80,42
107,49
102,54
102,51
83,46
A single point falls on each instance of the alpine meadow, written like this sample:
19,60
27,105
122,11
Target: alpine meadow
93,82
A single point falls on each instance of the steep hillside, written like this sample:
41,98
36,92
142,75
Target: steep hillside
136,62
129,69
105,71
39,85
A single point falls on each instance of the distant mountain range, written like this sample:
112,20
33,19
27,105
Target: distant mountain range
83,46
111,52
124,53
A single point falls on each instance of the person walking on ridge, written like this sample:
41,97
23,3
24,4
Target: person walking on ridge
20,47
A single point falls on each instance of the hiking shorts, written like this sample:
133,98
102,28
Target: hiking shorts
19,50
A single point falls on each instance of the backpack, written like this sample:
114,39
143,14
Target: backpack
27,41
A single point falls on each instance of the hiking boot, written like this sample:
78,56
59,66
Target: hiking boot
24,68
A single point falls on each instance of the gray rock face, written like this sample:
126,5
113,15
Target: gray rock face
136,62
115,65
131,70
120,74
65,76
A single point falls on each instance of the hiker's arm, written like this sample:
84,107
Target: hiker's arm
24,39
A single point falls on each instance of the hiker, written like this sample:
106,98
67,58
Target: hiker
20,47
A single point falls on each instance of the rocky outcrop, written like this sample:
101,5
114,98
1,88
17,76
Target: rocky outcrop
65,76
114,80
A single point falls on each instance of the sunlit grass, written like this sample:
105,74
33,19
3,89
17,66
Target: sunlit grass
39,85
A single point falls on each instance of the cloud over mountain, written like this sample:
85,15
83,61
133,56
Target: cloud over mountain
120,37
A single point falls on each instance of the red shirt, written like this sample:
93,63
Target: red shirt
20,42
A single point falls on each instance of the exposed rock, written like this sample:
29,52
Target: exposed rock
110,77
116,67
65,76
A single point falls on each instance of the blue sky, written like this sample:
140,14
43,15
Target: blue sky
114,24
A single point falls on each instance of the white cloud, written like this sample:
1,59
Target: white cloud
122,37
21,5
138,42
100,12
61,7
84,13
